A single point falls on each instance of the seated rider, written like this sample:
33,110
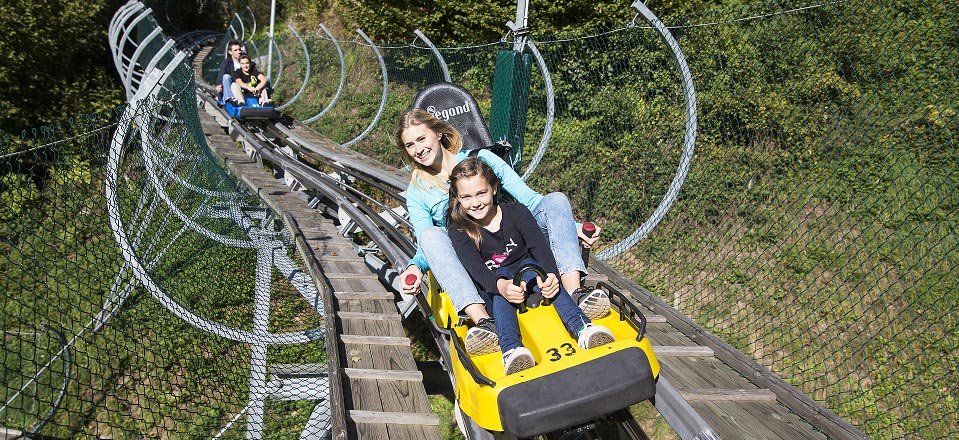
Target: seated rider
248,81
432,147
230,64
493,241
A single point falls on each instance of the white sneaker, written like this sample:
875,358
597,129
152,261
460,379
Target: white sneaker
593,336
518,359
595,303
482,338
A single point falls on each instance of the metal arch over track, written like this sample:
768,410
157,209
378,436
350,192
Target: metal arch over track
550,110
253,19
279,58
689,138
339,88
436,53
242,36
306,70
383,97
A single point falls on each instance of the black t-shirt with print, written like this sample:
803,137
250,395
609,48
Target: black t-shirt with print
518,238
251,79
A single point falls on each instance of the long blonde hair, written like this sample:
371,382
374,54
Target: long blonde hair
450,139
455,213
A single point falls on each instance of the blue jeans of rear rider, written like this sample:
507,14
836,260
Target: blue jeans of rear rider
505,312
227,95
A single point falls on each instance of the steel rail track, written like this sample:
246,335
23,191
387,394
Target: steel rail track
270,145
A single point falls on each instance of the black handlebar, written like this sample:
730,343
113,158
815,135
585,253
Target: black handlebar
518,278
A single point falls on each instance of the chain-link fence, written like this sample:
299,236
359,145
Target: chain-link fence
143,292
816,230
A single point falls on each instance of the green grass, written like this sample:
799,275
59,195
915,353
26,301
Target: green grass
855,309
146,373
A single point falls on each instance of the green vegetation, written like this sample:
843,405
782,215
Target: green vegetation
52,59
145,372
816,228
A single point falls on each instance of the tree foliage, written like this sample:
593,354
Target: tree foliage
53,61
461,21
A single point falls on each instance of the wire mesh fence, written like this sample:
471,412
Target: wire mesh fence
816,230
138,275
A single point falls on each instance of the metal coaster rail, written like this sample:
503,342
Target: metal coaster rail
272,145
281,145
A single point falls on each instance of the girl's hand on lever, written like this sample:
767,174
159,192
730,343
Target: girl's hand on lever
549,287
512,293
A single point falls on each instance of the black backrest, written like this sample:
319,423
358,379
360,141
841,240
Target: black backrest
452,103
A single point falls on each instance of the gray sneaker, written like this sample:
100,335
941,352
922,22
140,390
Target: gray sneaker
482,338
518,359
592,336
595,303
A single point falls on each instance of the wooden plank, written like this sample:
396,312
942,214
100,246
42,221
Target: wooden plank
725,394
339,257
371,431
368,373
324,244
594,277
413,432
370,316
364,296
325,253
374,340
702,372
398,418
361,327
665,334
368,306
356,285
655,319
756,421
682,350
350,276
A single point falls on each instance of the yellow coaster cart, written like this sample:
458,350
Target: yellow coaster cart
570,388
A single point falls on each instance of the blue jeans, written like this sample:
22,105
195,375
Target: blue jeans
226,81
504,312
447,268
553,214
